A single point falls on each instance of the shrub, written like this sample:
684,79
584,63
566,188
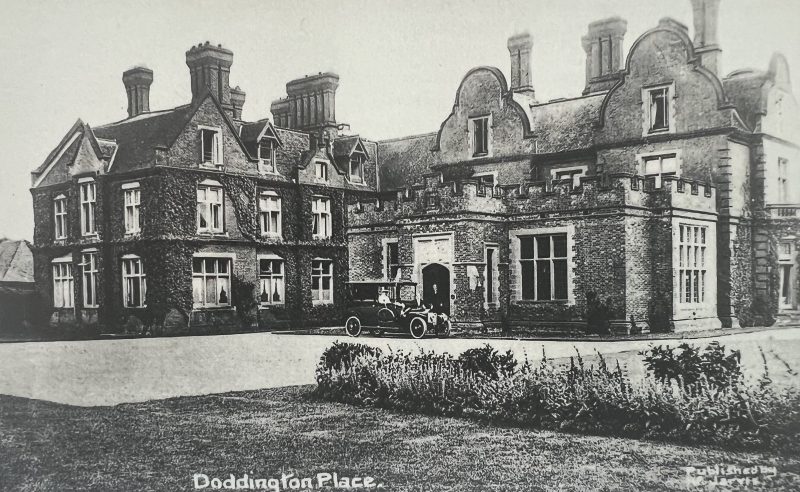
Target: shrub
572,397
687,365
488,362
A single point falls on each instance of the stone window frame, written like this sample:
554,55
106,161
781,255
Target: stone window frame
324,165
646,156
323,274
516,267
60,217
272,277
471,132
132,190
709,306
272,168
647,127
386,266
217,146
316,200
129,278
273,197
209,184
575,173
231,257
63,279
88,208
495,278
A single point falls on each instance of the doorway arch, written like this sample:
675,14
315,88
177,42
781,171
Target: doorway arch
436,287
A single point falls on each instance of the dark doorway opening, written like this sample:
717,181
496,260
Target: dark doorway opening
436,287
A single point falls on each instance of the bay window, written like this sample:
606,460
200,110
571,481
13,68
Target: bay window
692,264
63,283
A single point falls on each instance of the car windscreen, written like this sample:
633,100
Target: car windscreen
363,292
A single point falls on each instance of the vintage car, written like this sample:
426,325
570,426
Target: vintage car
381,306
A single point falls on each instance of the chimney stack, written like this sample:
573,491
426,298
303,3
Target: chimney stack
237,101
519,48
137,82
210,69
604,58
310,104
706,16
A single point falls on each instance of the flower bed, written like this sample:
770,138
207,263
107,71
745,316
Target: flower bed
483,384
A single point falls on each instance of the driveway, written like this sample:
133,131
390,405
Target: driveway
107,372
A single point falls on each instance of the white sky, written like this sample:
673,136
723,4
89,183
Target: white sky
400,62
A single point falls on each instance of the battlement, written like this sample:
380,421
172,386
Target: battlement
434,196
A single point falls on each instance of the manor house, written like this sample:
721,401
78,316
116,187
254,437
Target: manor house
660,198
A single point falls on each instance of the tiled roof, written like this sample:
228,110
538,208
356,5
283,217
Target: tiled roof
566,124
744,89
16,262
403,161
137,137
251,131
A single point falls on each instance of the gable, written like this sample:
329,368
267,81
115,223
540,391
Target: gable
78,153
482,92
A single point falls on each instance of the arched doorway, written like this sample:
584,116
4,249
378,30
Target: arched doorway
436,287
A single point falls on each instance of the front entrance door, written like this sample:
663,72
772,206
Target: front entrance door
436,287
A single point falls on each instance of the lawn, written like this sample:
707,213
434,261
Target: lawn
159,445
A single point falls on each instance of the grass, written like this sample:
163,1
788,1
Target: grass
158,445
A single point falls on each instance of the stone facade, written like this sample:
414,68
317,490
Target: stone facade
666,180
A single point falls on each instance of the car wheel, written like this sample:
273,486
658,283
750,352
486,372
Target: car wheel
445,330
353,326
417,328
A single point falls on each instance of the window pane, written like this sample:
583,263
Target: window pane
211,265
560,246
211,290
543,280
526,247
560,278
543,247
528,286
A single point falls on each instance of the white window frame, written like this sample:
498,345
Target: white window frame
648,123
516,264
387,266
642,159
200,279
693,263
359,160
321,170
88,198
575,174
60,217
318,296
128,280
271,282
321,209
787,264
214,209
63,282
89,274
495,277
269,204
216,145
132,201
267,164
473,154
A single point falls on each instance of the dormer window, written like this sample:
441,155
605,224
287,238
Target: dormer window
659,110
211,146
357,168
479,135
266,156
321,170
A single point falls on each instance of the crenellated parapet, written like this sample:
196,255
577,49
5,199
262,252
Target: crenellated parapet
436,197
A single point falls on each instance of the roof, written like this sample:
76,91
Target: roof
137,137
403,161
744,89
16,262
565,124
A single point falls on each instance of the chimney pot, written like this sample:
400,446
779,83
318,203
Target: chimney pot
137,83
237,101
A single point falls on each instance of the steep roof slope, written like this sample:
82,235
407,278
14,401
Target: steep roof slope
403,161
16,262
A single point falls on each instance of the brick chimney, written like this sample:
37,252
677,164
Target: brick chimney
604,58
237,101
706,17
210,69
519,48
137,82
310,104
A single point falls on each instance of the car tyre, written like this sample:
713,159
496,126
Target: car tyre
445,330
417,328
353,326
